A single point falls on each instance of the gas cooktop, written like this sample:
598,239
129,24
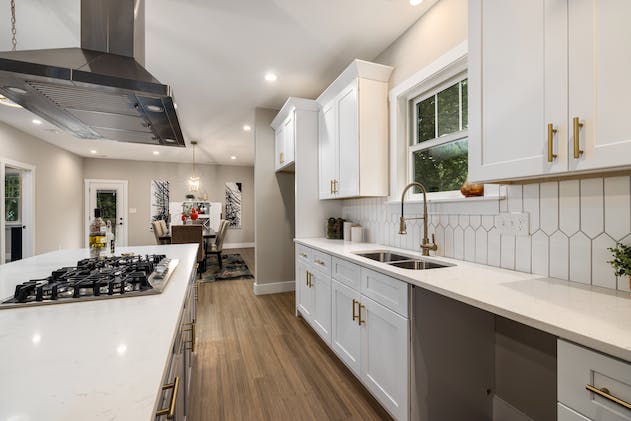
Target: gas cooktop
95,279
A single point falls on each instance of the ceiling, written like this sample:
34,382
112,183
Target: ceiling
214,54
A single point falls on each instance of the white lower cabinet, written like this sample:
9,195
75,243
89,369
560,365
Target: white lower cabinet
384,356
370,338
345,335
320,286
594,385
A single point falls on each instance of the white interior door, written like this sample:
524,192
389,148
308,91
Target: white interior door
18,210
111,197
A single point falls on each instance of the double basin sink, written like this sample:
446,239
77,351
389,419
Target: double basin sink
400,261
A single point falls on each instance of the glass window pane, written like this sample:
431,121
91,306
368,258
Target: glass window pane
11,207
449,110
443,167
426,123
465,102
106,201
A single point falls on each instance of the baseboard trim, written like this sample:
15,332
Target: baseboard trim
238,245
274,288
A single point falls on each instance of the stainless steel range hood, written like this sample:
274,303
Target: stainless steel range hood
101,90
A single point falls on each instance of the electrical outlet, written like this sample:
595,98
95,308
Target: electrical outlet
517,223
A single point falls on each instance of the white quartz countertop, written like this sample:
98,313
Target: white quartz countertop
598,318
91,360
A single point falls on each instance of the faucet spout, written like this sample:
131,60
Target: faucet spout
426,246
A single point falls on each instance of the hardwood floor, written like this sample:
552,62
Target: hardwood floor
255,360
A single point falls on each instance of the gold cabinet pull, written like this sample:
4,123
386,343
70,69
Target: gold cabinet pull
170,410
334,186
551,132
354,315
282,158
320,262
577,137
359,316
310,279
307,278
192,330
604,392
331,186
303,254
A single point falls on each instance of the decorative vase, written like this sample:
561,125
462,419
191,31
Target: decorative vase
472,189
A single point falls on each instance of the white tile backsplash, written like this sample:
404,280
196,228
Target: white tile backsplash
571,224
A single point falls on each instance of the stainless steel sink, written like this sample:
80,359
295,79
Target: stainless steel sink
417,265
383,256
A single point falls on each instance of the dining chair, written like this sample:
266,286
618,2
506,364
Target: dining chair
188,234
217,247
157,231
163,225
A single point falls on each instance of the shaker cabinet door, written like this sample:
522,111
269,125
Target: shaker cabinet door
327,145
345,336
348,129
599,89
304,292
321,286
517,87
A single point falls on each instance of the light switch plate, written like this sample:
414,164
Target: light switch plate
515,223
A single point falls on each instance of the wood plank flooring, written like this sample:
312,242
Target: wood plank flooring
256,361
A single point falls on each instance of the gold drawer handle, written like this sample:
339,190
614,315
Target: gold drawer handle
192,330
303,255
361,322
577,137
334,186
320,262
604,392
354,315
551,132
170,411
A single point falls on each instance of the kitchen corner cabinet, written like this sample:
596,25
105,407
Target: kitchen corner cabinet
360,314
353,133
548,89
285,138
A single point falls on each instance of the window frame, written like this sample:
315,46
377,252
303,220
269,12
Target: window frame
19,198
439,84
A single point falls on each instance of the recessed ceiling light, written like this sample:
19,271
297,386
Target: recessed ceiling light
270,77
156,152
16,90
155,108
415,2
36,121
93,151
233,157
247,128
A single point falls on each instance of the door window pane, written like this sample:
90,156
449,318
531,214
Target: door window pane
12,194
106,201
443,167
426,119
449,110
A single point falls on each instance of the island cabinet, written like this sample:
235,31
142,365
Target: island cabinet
353,133
548,88
363,316
173,398
591,385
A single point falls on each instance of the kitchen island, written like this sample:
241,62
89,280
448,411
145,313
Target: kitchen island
90,360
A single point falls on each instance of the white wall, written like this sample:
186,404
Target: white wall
58,188
212,180
274,209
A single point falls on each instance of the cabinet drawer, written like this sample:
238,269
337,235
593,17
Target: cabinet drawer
566,414
347,273
579,367
303,253
385,290
321,261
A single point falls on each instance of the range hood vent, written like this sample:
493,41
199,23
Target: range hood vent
101,90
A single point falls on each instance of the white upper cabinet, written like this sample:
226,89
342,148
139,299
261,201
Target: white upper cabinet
532,75
599,90
353,136
288,130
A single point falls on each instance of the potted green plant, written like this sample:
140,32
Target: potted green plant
621,260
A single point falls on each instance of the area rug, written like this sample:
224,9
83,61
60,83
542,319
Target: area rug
234,267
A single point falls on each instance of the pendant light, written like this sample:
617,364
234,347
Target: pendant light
193,181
